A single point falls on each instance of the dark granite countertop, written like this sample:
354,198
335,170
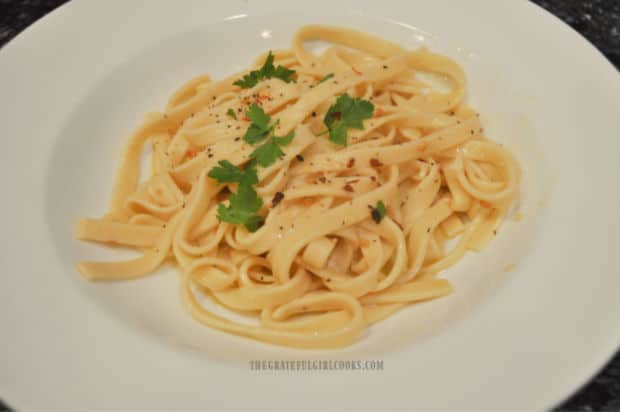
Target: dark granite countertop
597,20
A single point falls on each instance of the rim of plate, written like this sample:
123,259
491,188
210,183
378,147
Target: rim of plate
539,329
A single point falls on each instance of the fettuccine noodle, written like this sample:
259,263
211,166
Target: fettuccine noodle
322,267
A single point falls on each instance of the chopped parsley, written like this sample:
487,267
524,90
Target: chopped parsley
378,212
271,151
245,203
231,113
242,209
346,113
268,71
259,128
226,172
326,78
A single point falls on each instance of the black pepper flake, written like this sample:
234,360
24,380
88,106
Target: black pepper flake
277,198
237,139
385,66
348,188
313,114
495,232
213,97
376,215
471,131
210,155
322,179
428,230
299,158
281,227
351,163
328,280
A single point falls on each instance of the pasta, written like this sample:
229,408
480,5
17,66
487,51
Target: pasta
319,194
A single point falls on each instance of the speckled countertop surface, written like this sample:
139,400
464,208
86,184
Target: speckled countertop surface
597,20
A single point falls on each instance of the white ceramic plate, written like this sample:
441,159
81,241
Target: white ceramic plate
74,85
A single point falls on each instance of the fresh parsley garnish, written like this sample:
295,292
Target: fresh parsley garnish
231,113
242,208
268,71
326,78
346,113
378,212
268,153
259,128
226,172
243,204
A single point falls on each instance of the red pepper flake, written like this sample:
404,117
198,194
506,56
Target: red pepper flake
348,188
351,162
486,204
277,198
375,162
191,154
378,112
359,73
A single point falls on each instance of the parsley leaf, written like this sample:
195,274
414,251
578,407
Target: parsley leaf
379,212
226,172
268,71
283,73
243,204
231,113
259,128
346,113
268,153
326,78
242,208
